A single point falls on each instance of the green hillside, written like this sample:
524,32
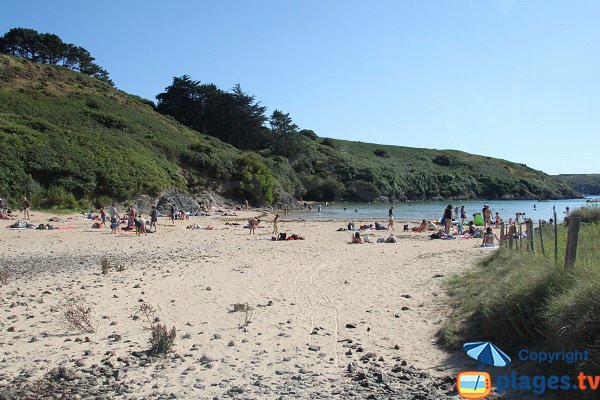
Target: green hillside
68,137
588,184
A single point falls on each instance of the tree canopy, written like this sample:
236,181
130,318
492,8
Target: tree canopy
47,48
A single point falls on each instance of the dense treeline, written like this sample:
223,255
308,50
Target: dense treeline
47,48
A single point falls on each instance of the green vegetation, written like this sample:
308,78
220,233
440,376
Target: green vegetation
69,140
517,299
67,136
349,170
583,183
589,214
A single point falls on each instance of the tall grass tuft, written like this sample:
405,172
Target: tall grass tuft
515,299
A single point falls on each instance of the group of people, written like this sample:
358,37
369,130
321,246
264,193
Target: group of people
7,213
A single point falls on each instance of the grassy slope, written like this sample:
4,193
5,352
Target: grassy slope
484,176
584,183
61,129
58,127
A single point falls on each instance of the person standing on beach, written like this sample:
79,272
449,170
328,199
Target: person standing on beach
448,219
319,208
275,228
172,213
153,218
103,215
463,215
114,215
390,223
26,205
253,224
391,212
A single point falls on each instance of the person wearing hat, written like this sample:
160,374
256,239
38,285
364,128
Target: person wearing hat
26,205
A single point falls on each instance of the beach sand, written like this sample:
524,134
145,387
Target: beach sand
322,311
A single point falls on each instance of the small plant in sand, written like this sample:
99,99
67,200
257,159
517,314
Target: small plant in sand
161,339
105,265
75,314
4,277
248,314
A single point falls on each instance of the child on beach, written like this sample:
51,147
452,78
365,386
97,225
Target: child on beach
103,215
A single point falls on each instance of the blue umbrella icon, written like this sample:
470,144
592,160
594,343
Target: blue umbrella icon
487,353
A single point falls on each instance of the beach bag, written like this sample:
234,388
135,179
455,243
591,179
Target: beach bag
96,225
282,236
435,236
405,227
41,226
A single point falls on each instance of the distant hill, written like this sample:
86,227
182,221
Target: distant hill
68,139
587,184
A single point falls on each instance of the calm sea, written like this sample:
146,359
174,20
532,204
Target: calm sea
418,210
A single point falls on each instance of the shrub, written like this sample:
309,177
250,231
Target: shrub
381,153
4,277
57,197
309,134
255,179
328,142
587,214
76,315
105,265
161,339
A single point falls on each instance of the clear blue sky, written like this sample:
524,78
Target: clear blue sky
517,80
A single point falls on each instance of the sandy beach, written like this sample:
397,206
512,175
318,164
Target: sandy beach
256,319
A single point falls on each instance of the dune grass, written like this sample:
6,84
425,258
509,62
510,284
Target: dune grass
515,299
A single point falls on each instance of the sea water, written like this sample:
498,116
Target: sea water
434,210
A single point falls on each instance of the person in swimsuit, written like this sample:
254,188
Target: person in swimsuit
275,228
489,238
448,219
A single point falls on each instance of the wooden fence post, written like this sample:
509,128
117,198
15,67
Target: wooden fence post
555,237
542,238
520,243
501,233
572,238
511,234
530,235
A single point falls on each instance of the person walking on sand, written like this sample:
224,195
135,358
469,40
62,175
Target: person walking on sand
448,218
390,223
275,228
26,205
153,218
172,213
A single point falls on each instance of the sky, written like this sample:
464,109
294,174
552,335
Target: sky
517,80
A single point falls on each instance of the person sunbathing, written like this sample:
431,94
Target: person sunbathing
421,228
489,238
391,239
356,238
